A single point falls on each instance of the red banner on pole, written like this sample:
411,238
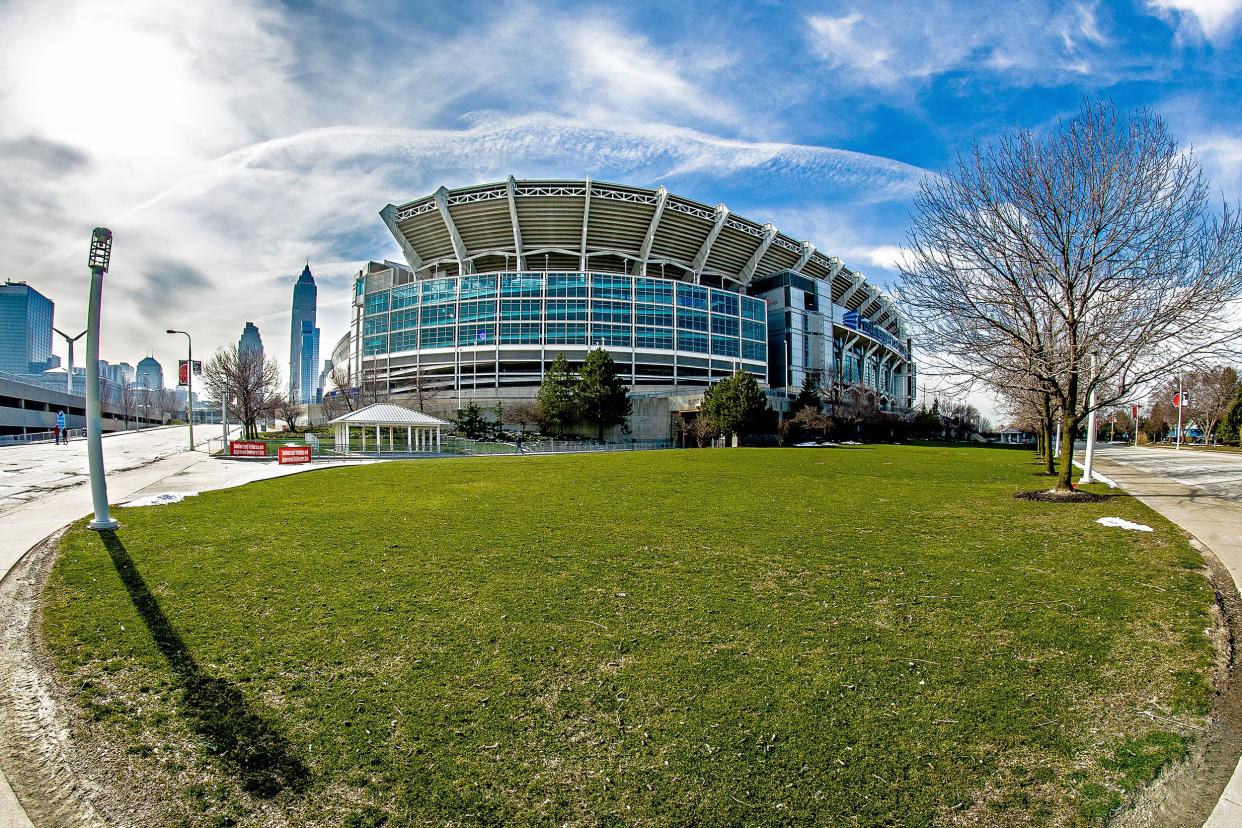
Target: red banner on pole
1134,411
1177,400
247,448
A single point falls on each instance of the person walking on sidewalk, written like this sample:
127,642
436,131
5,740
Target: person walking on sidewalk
61,433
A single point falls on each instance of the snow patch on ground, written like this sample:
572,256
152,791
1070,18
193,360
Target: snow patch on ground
1121,523
161,499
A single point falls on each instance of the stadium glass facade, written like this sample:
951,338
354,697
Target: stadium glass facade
503,328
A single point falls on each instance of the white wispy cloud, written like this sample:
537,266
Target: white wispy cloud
1215,20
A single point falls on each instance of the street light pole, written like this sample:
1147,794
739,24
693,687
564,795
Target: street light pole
189,382
1089,454
101,252
69,340
1181,403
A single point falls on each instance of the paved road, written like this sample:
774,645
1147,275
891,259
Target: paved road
29,472
1201,491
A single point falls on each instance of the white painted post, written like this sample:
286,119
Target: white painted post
379,441
437,439
409,439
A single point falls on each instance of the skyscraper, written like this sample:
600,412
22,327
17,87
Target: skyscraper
303,339
250,341
25,329
150,374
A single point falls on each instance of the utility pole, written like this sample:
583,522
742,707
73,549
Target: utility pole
1180,402
101,252
1089,454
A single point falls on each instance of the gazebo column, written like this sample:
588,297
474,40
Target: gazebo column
437,439
338,435
409,439
364,439
379,441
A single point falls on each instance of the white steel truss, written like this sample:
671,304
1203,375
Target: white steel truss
645,251
510,186
748,271
700,258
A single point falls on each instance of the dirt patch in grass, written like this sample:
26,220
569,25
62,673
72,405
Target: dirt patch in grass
1062,496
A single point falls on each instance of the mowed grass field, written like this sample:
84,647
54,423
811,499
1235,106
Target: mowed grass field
867,636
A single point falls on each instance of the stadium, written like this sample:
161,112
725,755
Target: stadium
500,278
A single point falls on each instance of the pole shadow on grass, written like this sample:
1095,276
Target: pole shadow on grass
259,756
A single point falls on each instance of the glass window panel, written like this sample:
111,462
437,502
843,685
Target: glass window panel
436,337
377,302
561,333
724,325
484,311
692,296
754,308
519,333
753,330
610,286
478,286
724,302
521,284
690,341
404,296
754,350
404,341
659,315
691,319
439,290
438,314
375,325
724,346
567,284
656,291
612,312
519,309
614,336
661,338
476,335
567,309
375,344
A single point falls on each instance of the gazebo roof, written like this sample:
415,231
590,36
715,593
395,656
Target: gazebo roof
387,414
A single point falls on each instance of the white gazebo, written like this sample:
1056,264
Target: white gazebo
422,431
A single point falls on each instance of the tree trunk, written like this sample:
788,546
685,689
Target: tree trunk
1065,480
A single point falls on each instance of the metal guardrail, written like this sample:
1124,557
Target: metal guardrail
325,448
40,437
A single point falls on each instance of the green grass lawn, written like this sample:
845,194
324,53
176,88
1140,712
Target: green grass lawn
869,636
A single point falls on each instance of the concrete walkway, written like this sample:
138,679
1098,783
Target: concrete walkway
45,489
1202,493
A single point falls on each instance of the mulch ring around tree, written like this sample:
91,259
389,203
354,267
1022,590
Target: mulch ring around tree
1062,496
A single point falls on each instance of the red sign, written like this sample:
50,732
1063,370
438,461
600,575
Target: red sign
247,448
1134,411
294,454
182,377
1177,400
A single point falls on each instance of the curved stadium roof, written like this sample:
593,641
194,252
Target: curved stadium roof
589,225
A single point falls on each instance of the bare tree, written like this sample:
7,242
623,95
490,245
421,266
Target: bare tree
249,382
167,403
1211,391
128,403
523,412
422,388
287,408
1086,262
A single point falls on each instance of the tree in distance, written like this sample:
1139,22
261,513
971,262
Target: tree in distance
248,381
287,408
558,397
1085,263
735,404
602,398
523,413
471,422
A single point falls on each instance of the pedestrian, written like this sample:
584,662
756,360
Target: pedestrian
518,444
61,433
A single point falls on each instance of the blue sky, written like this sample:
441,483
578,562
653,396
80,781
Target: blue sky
225,143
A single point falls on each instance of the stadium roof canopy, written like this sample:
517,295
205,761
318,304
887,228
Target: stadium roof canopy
612,228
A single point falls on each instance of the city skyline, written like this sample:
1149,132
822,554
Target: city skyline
821,118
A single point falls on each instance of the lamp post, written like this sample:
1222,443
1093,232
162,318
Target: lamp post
101,252
69,340
189,382
1089,454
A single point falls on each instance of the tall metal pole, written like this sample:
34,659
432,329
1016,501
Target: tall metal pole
101,250
224,417
189,382
1181,403
1089,455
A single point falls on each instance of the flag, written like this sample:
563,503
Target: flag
851,319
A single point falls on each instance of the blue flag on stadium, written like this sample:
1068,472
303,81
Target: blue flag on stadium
851,319
482,336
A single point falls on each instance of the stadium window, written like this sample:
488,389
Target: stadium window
567,284
724,325
404,296
519,333
658,315
612,312
754,308
656,291
477,335
404,341
436,337
376,302
478,286
724,302
519,309
521,284
724,346
484,311
754,350
560,333
374,344
661,339
691,320
437,314
693,342
611,336
753,330
608,286
567,309
439,290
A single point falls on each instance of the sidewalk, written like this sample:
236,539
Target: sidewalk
1216,522
27,524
